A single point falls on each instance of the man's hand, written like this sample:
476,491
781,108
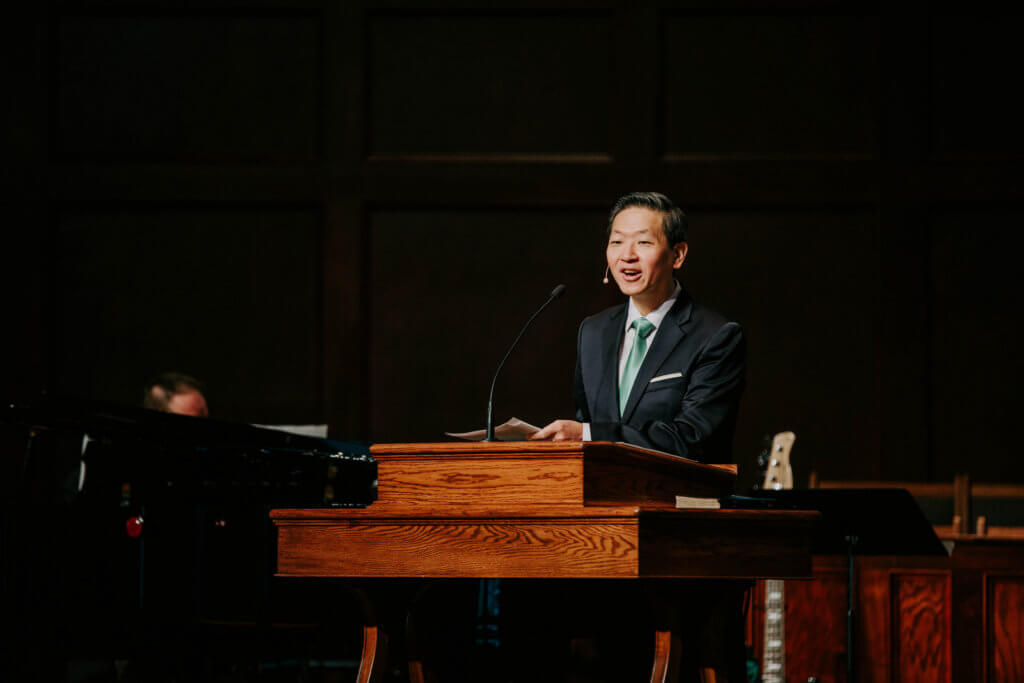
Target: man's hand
560,430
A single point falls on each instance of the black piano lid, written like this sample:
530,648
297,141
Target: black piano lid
161,455
101,418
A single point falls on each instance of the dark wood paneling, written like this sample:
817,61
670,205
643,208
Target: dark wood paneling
976,297
180,183
771,86
812,348
1004,622
449,291
345,334
23,123
921,628
748,114
975,114
905,105
442,85
941,618
191,87
635,98
977,562
228,294
757,183
904,453
874,623
816,639
26,277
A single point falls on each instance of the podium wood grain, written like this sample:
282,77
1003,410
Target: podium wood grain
545,543
527,548
527,474
542,510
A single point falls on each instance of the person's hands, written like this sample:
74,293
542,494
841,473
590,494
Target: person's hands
560,430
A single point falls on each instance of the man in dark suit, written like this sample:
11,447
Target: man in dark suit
660,371
663,372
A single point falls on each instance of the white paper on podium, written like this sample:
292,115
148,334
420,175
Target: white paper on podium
512,430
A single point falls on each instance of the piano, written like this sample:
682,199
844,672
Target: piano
120,525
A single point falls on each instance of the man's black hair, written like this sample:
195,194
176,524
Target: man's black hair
159,391
673,220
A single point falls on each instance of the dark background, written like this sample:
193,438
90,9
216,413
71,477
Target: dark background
342,213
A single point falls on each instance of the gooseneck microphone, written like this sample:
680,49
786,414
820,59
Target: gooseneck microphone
555,293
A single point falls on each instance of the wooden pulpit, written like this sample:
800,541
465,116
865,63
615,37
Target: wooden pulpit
542,510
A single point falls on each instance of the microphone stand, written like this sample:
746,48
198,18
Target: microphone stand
555,293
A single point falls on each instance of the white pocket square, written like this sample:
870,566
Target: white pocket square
671,375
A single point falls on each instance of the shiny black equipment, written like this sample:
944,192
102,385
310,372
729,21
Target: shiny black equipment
119,526
70,451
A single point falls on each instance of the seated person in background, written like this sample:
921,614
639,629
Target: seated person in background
174,392
660,370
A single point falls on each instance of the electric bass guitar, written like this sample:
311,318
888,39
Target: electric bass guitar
778,475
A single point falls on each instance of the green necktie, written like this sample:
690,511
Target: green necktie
643,328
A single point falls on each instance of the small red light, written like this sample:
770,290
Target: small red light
133,527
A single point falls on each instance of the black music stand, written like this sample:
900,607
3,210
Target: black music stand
861,521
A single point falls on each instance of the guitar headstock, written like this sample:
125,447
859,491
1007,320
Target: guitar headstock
778,474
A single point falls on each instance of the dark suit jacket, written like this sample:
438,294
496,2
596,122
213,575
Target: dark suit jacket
693,415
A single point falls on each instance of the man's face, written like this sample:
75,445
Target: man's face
639,255
188,403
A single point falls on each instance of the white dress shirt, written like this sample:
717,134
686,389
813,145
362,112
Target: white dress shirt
655,317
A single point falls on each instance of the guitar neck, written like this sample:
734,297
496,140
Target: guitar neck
774,659
778,475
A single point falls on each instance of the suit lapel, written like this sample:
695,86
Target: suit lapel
668,336
611,345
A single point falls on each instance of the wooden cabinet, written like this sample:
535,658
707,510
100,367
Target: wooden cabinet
945,619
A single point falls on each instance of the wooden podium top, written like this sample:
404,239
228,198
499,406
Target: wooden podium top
541,473
542,509
537,449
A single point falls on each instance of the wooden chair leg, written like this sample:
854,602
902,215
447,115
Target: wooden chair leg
419,671
416,674
707,675
585,661
667,648
375,655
